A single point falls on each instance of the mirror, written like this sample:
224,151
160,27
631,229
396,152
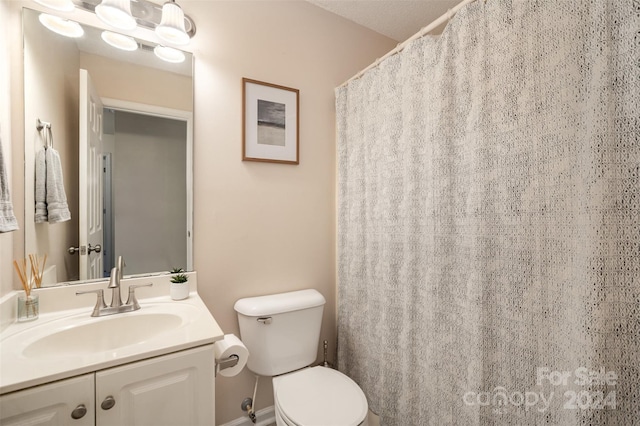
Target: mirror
132,192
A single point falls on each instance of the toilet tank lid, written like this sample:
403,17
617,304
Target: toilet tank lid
279,303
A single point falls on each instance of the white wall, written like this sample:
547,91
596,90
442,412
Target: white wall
259,228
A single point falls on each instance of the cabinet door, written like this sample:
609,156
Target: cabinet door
175,389
67,402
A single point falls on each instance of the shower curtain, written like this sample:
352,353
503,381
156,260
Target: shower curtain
489,219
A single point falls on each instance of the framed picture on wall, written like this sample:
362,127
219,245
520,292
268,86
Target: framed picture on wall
270,121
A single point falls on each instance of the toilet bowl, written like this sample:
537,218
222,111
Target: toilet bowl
318,396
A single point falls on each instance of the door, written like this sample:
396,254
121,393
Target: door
67,402
90,197
176,389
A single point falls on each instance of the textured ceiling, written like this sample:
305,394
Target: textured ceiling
397,19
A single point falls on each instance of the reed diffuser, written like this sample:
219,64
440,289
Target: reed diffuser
28,305
37,268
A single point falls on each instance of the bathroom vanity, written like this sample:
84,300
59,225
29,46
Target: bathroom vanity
152,366
172,389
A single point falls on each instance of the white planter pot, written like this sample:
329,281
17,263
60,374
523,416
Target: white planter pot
179,291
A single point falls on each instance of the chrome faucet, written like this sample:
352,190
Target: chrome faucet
116,305
114,285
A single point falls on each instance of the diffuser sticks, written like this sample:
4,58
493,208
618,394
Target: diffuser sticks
21,269
28,305
37,268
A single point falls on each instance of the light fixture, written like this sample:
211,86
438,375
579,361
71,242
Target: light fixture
61,5
120,41
61,26
116,13
171,29
144,14
169,54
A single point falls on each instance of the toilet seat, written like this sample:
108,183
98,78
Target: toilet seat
319,396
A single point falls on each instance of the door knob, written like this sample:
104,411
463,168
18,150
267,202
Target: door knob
97,248
108,403
73,250
79,412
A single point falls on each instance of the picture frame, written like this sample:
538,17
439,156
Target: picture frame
270,122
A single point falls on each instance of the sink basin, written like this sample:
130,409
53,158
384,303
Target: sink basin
66,341
78,335
103,334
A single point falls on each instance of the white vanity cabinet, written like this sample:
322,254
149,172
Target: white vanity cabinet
173,389
51,404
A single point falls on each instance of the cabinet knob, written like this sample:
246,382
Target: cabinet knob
79,412
108,403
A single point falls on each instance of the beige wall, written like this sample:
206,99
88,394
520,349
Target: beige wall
262,228
124,81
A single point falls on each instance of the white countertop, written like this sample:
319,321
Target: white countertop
20,368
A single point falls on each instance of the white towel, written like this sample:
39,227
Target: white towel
57,208
41,187
8,220
51,200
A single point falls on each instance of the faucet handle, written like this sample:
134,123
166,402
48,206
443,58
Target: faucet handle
131,300
99,301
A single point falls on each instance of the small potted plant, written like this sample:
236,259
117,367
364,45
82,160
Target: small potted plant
179,285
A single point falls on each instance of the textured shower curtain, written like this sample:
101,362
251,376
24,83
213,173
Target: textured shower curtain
489,220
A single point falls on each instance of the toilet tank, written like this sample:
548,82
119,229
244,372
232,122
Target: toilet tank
281,331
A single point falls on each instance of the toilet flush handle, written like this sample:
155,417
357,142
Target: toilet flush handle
265,320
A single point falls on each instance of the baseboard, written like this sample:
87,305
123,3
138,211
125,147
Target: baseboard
264,417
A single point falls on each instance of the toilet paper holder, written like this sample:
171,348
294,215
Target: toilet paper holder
222,364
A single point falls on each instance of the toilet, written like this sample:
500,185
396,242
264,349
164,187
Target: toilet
282,333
